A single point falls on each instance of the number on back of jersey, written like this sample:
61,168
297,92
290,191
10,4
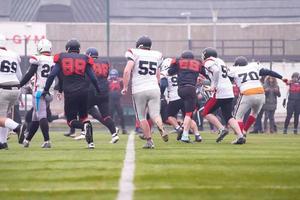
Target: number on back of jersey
9,67
147,67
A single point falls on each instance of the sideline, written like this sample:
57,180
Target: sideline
126,186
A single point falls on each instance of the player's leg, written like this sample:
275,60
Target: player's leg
154,112
3,138
83,118
139,104
257,104
43,121
226,108
243,104
172,111
107,120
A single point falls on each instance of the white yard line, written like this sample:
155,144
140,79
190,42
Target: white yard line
126,186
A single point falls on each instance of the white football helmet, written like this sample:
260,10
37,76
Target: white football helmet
2,41
165,65
44,45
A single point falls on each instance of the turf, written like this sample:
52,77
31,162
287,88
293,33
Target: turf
267,167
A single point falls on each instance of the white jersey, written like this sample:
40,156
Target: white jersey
172,88
10,71
144,72
247,78
44,63
217,72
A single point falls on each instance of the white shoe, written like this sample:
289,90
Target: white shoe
25,143
91,145
114,138
46,145
80,137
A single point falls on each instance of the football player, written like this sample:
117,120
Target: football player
10,76
40,67
222,98
101,71
143,63
175,104
252,95
187,69
74,67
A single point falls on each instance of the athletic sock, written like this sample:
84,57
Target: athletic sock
3,135
76,124
11,124
241,125
109,123
45,128
185,134
251,119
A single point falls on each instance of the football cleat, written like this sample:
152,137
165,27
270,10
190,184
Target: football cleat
91,145
222,134
46,145
185,139
25,143
80,137
3,146
114,138
240,140
179,133
198,138
21,133
148,145
88,131
163,134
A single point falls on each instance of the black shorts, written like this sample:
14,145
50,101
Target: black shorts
102,102
213,104
188,95
76,105
174,107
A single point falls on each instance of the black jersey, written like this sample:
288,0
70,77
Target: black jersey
187,69
101,71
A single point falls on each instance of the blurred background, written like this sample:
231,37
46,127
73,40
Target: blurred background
262,30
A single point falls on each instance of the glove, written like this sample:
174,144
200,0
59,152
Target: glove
284,103
285,80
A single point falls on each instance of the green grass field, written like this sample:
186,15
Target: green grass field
267,167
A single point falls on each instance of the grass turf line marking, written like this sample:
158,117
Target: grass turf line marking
126,186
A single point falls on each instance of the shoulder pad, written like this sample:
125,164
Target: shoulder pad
56,58
34,60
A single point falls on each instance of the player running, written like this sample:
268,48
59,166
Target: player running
222,97
101,101
175,104
143,63
74,67
252,95
40,67
10,76
187,69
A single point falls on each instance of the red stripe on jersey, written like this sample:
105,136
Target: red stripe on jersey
208,59
33,57
129,50
56,58
173,61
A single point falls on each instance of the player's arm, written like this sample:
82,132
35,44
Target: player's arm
267,72
284,100
92,77
163,85
173,67
55,71
127,74
31,71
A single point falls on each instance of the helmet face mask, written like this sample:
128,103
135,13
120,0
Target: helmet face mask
92,51
73,45
143,42
44,46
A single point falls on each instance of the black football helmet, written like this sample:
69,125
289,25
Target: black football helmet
187,54
209,52
92,51
144,42
240,61
73,45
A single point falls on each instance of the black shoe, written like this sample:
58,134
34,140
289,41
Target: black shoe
179,133
240,140
4,146
198,138
88,130
21,134
254,132
71,133
295,131
284,131
222,134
